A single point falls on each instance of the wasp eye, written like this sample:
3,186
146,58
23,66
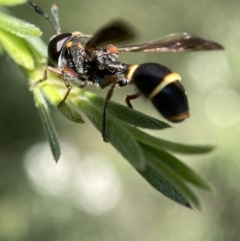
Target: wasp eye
55,46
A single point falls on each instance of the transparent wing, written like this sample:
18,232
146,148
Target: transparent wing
115,32
177,42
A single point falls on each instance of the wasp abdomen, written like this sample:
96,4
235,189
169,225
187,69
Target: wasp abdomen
163,88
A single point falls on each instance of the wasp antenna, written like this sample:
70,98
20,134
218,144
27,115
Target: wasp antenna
38,10
55,14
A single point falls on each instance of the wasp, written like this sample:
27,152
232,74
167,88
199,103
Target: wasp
88,59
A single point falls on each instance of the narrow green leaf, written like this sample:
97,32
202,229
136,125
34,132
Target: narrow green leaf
37,48
179,168
38,45
67,109
18,27
117,135
1,49
71,113
136,146
163,186
171,176
47,123
17,49
139,119
11,2
127,114
168,145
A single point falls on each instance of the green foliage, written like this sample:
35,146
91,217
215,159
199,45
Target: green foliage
150,156
17,49
48,125
18,27
23,51
11,2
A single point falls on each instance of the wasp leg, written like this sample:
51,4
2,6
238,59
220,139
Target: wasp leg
107,99
131,97
69,72
69,87
61,73
85,84
44,78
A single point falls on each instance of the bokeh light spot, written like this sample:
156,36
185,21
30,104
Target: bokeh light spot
88,181
208,69
223,107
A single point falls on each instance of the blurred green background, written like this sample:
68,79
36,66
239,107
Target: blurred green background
93,193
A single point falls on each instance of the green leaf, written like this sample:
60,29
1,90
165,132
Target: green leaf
11,2
17,49
141,120
1,49
168,145
127,115
163,186
18,27
117,135
37,48
178,168
67,109
71,113
172,177
47,124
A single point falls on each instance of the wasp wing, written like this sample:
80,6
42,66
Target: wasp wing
115,32
178,42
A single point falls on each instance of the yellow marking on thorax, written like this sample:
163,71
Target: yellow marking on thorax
69,44
76,33
79,45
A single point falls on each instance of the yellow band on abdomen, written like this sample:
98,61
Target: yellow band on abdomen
172,77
